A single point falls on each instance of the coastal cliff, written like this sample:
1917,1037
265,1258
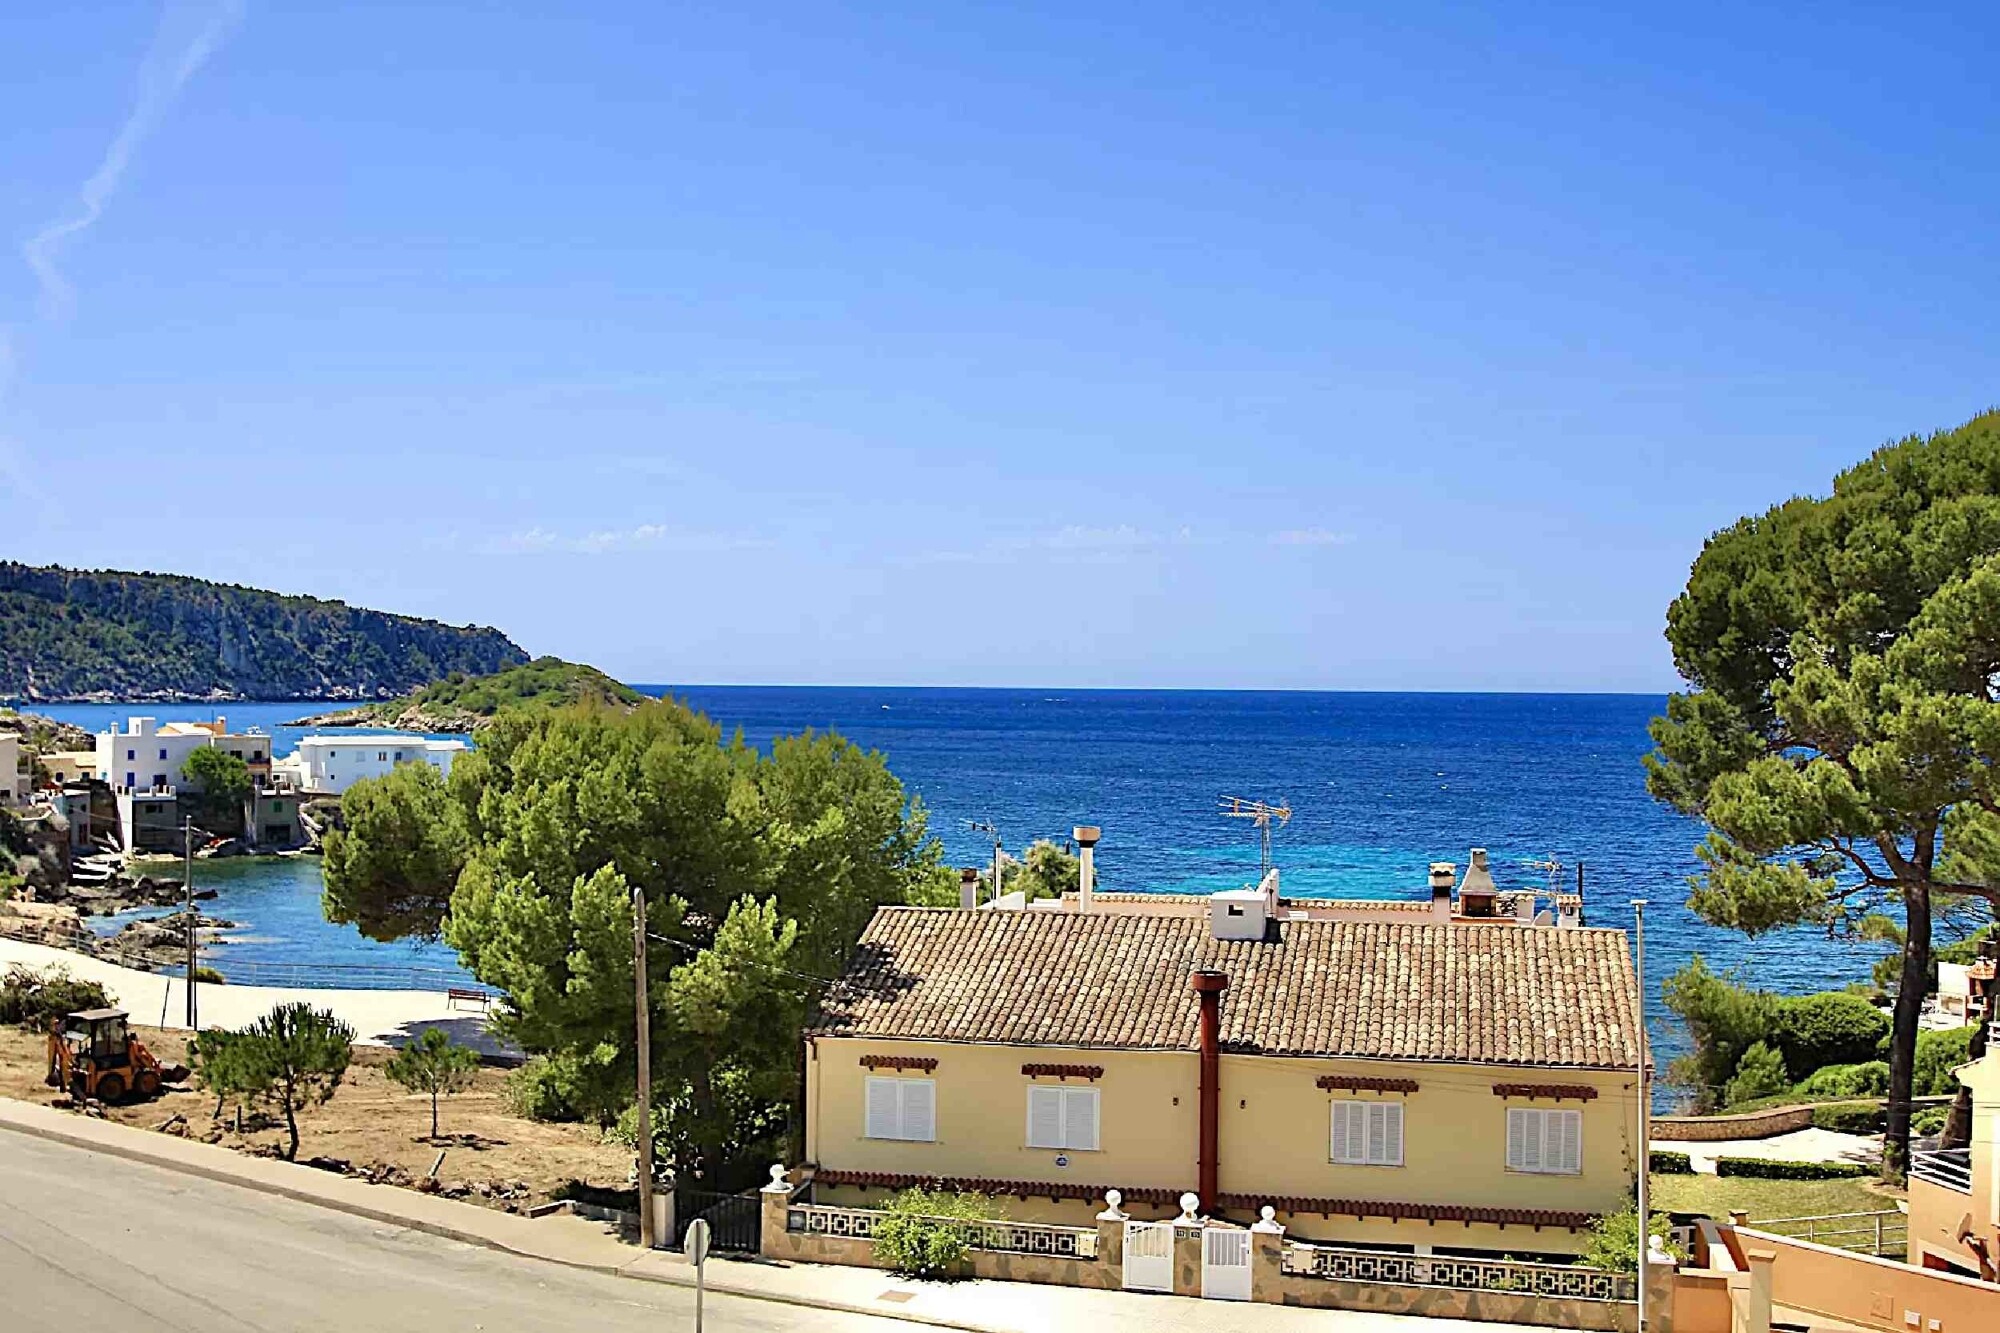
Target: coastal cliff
92,635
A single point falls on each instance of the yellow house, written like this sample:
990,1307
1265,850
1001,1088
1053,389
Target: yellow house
1955,1193
1419,1086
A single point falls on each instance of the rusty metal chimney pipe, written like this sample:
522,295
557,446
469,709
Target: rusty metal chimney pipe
1208,988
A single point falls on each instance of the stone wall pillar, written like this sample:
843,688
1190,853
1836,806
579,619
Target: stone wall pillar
1187,1259
1111,1239
776,1198
1267,1258
1659,1280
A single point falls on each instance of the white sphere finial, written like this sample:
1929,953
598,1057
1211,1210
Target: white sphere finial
1268,1213
1189,1202
1113,1197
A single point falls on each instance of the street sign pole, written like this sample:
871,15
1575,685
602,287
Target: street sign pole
697,1254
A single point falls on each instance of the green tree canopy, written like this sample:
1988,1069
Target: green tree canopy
391,869
295,1057
220,783
758,871
435,1066
1841,730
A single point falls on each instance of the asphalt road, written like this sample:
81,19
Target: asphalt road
89,1242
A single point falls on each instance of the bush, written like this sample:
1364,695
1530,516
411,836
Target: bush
1938,1053
1614,1239
541,1090
1758,1168
1831,1028
1930,1120
435,1066
1723,1021
924,1232
1850,1117
209,975
1867,1079
1760,1073
1670,1163
33,999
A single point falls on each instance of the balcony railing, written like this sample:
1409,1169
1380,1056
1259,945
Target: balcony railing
1497,1275
1949,1168
1002,1237
1883,1234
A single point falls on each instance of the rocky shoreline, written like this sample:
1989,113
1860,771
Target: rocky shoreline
448,722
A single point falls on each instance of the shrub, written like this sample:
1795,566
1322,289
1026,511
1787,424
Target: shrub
1760,1073
541,1090
924,1233
1614,1239
33,999
1850,1117
1670,1163
222,1065
1758,1168
1938,1053
1930,1120
209,975
1867,1079
1723,1021
1831,1028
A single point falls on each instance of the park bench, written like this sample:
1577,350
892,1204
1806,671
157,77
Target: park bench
467,995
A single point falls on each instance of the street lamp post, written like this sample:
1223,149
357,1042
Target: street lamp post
1645,1105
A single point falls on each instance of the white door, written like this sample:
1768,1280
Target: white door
1225,1264
1149,1256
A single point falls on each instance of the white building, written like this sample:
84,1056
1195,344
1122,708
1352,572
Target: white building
13,778
331,764
147,756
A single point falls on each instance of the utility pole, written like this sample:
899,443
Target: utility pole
644,1022
1645,1105
187,917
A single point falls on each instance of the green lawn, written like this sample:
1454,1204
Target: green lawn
1717,1195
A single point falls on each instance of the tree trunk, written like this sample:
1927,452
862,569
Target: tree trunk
434,1113
1910,991
291,1128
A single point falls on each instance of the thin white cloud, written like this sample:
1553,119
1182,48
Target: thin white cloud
187,36
538,540
1311,537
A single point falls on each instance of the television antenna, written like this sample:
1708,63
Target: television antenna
1262,815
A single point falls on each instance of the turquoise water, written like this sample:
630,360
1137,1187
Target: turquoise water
1382,784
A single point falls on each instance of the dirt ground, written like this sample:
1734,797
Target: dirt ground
496,1158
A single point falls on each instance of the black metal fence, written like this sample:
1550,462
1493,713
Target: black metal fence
735,1220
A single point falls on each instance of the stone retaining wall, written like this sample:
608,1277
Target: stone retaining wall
1710,1128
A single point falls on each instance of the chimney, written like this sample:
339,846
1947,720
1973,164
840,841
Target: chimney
968,887
1086,836
1476,890
1208,988
1443,875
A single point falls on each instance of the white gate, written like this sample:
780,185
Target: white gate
1149,1256
1225,1264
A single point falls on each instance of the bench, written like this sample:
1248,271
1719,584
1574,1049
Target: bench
457,994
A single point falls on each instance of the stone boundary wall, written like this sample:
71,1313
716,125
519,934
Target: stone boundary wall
1710,1128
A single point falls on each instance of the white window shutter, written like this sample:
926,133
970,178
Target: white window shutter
1080,1119
1336,1149
919,1118
1045,1117
1378,1134
1392,1120
1571,1128
884,1113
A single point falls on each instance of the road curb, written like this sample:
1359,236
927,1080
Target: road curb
137,1152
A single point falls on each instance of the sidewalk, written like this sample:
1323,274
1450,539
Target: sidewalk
1800,1145
379,1017
982,1307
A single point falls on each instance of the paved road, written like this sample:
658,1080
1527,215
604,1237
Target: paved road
90,1242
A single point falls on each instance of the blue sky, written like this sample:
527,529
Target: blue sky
1315,346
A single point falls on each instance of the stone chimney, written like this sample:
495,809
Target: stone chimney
1476,890
1086,836
968,887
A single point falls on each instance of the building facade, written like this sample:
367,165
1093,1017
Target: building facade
147,756
1419,1086
329,765
14,777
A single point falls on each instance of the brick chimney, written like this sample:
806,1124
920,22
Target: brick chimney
1443,875
968,887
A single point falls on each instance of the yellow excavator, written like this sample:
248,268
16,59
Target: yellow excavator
93,1054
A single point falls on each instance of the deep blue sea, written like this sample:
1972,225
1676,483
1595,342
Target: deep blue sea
1381,785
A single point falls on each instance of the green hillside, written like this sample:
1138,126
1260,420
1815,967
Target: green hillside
105,634
461,702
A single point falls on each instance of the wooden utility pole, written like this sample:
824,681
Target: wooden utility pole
644,1022
187,918
1645,1106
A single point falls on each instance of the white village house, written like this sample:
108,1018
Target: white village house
329,765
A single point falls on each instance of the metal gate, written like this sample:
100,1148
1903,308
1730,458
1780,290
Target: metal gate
1149,1256
1225,1264
735,1220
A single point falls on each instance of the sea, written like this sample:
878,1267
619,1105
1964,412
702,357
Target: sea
1380,785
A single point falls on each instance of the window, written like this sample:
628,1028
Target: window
1062,1117
902,1108
131,781
382,757
1367,1133
1550,1142
163,752
131,755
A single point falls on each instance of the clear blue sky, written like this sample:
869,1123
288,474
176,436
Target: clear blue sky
1399,346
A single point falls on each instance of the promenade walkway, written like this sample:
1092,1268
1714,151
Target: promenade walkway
379,1017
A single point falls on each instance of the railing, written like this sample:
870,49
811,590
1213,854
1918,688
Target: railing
301,976
1002,1237
1950,1168
1497,1275
1883,1234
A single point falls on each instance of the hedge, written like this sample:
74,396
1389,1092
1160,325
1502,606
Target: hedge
1851,1118
1670,1164
1763,1170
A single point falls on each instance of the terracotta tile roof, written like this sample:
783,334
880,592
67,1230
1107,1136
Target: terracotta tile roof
1480,994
